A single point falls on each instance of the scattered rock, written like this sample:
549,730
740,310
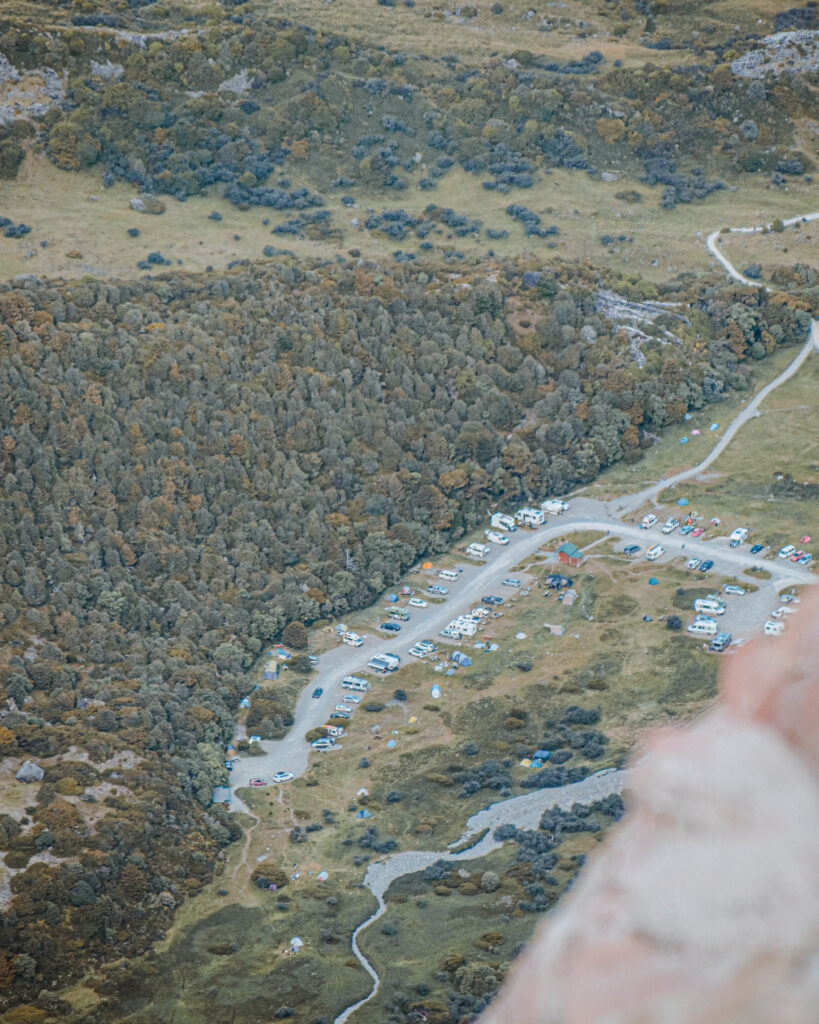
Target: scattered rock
30,771
147,203
74,254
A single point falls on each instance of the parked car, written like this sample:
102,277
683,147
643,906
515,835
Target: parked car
390,627
350,698
279,777
686,528
706,565
317,693
692,563
797,555
670,525
417,602
496,538
772,628
323,743
806,559
648,521
732,588
352,639
436,588
756,548
510,581
786,552
258,782
312,659
631,550
698,532
491,599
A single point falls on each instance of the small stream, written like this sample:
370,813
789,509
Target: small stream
523,811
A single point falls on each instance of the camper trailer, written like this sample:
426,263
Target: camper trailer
554,506
709,606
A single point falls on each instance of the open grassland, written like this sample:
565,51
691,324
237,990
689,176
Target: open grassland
742,485
660,243
774,250
568,29
668,456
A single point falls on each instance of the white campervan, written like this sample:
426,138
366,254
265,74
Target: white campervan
351,639
703,627
709,606
774,628
501,521
654,552
478,550
530,516
648,521
355,683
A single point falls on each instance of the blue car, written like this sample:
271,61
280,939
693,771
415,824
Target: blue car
706,565
686,528
757,548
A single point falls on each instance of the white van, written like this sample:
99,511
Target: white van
648,522
478,550
355,683
654,552
449,574
351,639
702,627
709,606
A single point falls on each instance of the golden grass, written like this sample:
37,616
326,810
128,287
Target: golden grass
55,203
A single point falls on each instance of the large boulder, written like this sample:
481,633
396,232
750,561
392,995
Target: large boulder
147,203
30,772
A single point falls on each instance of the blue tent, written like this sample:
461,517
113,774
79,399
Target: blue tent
542,754
683,501
653,581
714,426
460,658
392,598
683,440
363,813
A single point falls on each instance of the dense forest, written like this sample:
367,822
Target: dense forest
191,464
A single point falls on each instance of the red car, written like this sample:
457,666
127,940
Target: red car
258,782
698,532
797,555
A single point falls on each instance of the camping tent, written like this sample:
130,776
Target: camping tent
363,813
460,658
